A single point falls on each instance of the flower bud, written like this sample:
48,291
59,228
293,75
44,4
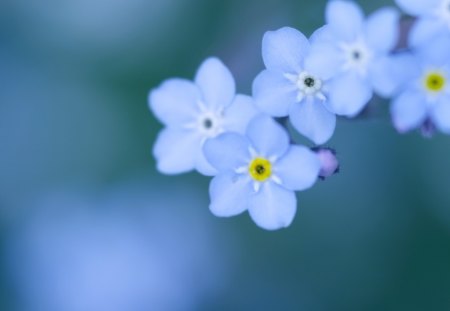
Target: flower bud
328,160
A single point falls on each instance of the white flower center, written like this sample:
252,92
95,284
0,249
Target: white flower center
307,85
207,122
356,56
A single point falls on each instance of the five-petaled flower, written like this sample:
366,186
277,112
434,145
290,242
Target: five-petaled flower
354,52
195,112
259,172
424,97
290,85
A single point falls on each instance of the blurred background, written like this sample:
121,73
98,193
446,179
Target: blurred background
87,223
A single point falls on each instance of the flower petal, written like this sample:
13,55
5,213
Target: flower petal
441,114
273,207
216,83
426,29
325,60
345,19
202,165
273,93
311,119
417,7
298,169
267,137
349,93
389,74
408,111
175,150
174,103
284,50
227,151
382,29
229,194
238,115
436,52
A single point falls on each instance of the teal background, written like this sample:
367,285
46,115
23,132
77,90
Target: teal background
75,76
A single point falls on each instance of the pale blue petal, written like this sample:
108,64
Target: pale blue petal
298,169
391,73
227,151
424,30
408,111
267,137
311,119
202,165
229,194
325,60
345,19
216,83
349,93
273,207
176,150
441,114
417,7
239,114
436,52
284,50
382,29
274,93
322,34
174,103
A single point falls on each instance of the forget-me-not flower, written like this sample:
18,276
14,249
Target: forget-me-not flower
195,111
433,19
290,85
424,98
354,52
259,172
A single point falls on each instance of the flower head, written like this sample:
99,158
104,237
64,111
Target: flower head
354,52
194,112
259,172
291,85
424,99
433,19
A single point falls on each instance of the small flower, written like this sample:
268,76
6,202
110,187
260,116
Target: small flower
259,172
424,99
195,112
291,86
354,52
433,19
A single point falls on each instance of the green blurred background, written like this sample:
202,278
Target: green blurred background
74,124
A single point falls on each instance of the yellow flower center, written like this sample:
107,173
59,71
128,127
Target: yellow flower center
260,169
435,82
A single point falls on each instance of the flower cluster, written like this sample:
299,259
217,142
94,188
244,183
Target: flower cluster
243,141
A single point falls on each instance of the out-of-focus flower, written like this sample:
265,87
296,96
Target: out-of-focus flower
291,85
194,112
125,251
425,97
354,52
259,172
433,19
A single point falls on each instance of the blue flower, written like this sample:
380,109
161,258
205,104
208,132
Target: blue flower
291,86
259,172
354,52
424,98
433,19
195,112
